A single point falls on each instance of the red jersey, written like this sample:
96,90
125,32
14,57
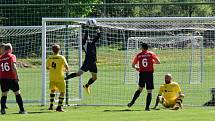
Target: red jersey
6,66
145,60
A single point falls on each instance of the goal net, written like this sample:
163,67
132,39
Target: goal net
184,45
27,46
181,50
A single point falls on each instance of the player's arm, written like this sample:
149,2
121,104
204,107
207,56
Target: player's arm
180,94
15,70
48,64
158,97
98,32
84,39
66,66
134,63
156,60
157,101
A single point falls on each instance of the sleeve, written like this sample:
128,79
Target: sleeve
14,58
84,39
160,90
97,37
135,60
154,56
65,62
47,63
177,88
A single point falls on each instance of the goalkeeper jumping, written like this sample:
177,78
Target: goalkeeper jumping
89,46
170,95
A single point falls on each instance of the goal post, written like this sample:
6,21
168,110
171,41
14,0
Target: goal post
69,38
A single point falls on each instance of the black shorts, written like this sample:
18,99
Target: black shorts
89,66
7,84
146,79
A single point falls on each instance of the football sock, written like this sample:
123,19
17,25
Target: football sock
136,95
148,99
179,101
60,103
89,82
19,102
3,102
52,99
72,75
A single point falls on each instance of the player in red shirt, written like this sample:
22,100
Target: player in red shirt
9,78
143,62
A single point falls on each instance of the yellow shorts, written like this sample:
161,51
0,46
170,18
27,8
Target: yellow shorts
168,103
58,86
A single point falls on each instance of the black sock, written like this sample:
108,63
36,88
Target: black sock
148,99
90,82
136,95
72,75
19,102
3,102
52,99
60,103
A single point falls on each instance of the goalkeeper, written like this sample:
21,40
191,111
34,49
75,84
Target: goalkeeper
89,46
170,95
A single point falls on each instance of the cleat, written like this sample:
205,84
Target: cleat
176,107
50,107
147,109
23,112
130,104
59,109
87,89
3,111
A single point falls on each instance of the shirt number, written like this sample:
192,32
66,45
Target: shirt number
144,62
5,66
54,65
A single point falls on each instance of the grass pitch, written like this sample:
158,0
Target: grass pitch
110,113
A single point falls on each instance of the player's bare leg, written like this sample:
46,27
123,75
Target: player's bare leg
52,95
91,81
60,103
136,95
20,102
3,102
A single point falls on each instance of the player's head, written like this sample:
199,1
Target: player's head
2,48
144,46
168,78
8,48
55,48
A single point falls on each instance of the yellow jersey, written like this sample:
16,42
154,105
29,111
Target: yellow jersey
56,65
170,91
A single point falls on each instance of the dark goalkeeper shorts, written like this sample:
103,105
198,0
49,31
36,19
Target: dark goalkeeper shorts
146,80
7,84
89,66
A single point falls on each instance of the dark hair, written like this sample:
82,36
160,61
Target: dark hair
55,48
2,45
144,46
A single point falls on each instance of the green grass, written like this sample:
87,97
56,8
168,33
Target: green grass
110,113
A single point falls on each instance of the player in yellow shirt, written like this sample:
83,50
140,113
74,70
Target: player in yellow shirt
57,65
170,95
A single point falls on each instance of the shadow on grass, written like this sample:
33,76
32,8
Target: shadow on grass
124,110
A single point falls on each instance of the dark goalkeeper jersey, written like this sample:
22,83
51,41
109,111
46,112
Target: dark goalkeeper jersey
90,47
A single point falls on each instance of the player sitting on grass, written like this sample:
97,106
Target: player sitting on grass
57,64
170,95
9,78
89,46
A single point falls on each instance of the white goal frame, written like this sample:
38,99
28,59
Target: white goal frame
123,19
